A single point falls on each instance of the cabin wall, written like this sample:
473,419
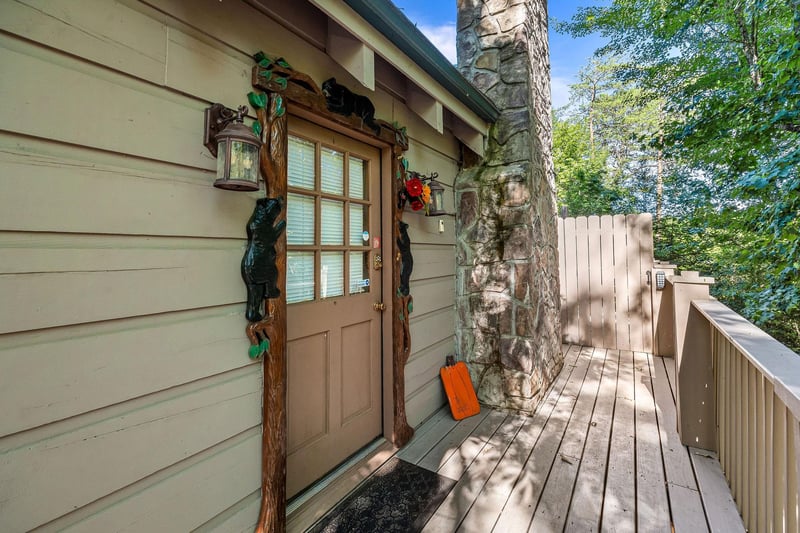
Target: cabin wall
129,402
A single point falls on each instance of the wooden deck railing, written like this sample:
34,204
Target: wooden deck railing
739,395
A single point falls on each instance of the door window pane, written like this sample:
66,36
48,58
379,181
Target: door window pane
332,171
332,218
301,163
357,178
359,272
299,219
299,277
359,223
331,279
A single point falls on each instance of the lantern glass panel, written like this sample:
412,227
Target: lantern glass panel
437,199
244,161
222,154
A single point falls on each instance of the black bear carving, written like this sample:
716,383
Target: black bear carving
343,101
406,259
259,271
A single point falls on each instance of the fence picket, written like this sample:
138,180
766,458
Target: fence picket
571,330
595,280
607,282
603,269
583,265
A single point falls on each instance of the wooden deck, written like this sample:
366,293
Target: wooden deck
601,453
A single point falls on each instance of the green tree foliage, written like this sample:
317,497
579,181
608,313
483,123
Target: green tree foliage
580,172
724,76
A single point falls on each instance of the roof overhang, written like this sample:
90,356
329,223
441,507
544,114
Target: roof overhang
368,27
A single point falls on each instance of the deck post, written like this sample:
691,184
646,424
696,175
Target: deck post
663,316
695,396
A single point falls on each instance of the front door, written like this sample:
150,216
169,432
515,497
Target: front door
334,333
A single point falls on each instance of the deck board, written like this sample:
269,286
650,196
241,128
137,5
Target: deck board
489,505
601,453
619,503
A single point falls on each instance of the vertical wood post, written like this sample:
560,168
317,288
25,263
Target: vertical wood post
272,517
693,362
663,315
401,307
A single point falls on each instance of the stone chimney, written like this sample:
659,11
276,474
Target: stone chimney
508,301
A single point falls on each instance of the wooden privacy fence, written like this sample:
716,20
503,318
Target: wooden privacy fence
604,270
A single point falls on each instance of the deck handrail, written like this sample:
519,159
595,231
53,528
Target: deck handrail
779,364
756,405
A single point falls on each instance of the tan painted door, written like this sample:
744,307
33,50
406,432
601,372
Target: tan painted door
334,346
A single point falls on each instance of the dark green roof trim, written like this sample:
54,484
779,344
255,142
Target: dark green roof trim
385,17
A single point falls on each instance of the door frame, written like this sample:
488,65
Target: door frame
283,91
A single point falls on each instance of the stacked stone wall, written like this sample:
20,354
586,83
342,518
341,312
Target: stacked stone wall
507,280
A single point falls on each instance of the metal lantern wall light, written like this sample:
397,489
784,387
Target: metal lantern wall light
436,207
234,145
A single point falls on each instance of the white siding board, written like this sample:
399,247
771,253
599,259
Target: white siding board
77,467
431,328
189,498
114,112
208,72
59,373
433,294
61,194
104,32
239,518
424,366
432,261
154,281
424,401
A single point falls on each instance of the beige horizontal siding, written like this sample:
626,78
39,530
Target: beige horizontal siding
122,350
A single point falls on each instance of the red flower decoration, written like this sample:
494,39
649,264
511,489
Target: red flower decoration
416,204
414,187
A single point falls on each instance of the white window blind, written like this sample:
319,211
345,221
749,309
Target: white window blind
299,277
299,219
331,279
358,224
356,178
301,163
332,171
332,222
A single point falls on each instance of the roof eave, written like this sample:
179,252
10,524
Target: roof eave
395,26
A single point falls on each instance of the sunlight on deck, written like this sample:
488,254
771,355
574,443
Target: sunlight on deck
601,452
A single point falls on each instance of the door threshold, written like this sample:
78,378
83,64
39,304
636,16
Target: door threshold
303,510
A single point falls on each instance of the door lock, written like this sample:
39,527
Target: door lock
379,306
377,262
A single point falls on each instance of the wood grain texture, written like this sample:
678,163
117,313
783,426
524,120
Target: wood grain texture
272,517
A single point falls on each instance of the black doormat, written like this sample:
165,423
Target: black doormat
398,497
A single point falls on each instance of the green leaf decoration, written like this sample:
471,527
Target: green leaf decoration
280,108
283,82
253,352
257,100
282,62
401,316
260,56
410,307
404,162
264,346
266,74
257,128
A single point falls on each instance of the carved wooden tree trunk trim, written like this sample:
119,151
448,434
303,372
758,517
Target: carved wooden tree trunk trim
273,159
273,164
401,333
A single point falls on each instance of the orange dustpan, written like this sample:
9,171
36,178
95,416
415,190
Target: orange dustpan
459,390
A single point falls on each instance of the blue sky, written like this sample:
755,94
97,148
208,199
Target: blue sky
437,19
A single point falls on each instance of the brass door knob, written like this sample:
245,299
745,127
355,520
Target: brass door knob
379,306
